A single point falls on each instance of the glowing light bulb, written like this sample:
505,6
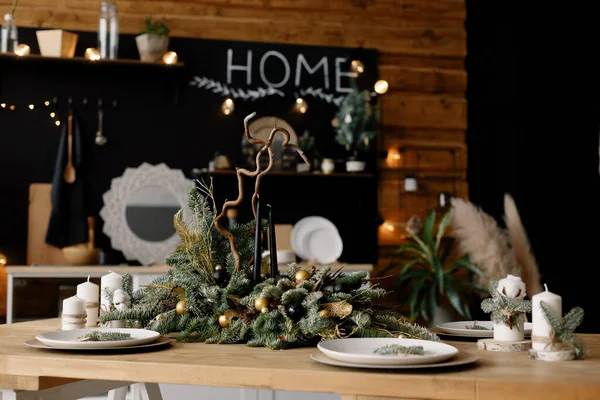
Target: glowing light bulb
381,86
3,105
57,123
92,54
227,107
12,107
31,106
22,50
357,66
170,57
52,115
390,227
46,103
301,105
3,260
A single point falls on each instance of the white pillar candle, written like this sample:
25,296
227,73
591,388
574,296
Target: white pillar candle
514,333
111,281
73,313
540,334
90,292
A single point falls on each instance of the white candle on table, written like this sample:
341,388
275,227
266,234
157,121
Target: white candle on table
90,292
540,334
73,313
111,281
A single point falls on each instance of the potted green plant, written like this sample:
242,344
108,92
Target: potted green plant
153,42
437,280
356,124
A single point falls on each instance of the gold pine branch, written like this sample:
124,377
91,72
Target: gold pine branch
241,172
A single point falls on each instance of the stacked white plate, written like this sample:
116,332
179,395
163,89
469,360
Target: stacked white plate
465,329
360,353
69,340
317,239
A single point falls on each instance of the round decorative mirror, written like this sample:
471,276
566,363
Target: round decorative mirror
139,208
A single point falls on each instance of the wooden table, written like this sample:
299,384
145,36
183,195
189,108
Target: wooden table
496,376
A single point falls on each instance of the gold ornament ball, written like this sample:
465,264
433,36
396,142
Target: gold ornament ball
261,303
324,314
302,275
226,317
181,308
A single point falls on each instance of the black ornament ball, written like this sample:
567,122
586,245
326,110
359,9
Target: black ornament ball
341,287
220,276
295,311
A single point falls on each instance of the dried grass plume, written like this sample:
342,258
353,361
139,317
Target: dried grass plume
479,235
521,246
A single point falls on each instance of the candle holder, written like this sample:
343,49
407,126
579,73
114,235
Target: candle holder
507,306
561,344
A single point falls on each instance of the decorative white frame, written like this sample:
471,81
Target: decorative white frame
115,200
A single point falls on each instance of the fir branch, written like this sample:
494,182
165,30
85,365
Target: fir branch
563,328
99,336
127,284
396,349
476,327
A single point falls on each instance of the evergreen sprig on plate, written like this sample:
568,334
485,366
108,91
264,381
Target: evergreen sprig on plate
504,310
396,349
563,328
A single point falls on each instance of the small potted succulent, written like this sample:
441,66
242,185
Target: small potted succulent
153,42
356,124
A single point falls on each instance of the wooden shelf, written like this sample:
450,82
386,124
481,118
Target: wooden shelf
426,174
83,60
293,173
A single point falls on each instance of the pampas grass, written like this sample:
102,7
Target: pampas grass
521,247
479,235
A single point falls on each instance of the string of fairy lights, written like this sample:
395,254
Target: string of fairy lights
33,107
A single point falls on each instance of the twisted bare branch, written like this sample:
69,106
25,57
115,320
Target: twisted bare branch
240,172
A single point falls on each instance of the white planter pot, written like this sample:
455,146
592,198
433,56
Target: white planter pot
504,333
57,43
151,47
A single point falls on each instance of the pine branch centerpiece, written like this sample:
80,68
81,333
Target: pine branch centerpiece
210,294
507,306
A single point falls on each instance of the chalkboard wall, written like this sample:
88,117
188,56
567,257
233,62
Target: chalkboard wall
154,114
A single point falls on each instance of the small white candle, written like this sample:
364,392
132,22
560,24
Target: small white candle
513,333
90,292
540,334
73,313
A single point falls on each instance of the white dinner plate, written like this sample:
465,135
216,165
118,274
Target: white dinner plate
459,328
68,339
324,246
160,342
302,228
461,359
361,351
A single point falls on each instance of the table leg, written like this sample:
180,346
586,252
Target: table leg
9,298
117,394
149,391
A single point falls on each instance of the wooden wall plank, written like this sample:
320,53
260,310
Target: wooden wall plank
420,79
447,9
423,111
251,10
392,136
418,41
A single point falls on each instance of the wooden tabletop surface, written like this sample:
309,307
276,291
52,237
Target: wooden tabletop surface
495,376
